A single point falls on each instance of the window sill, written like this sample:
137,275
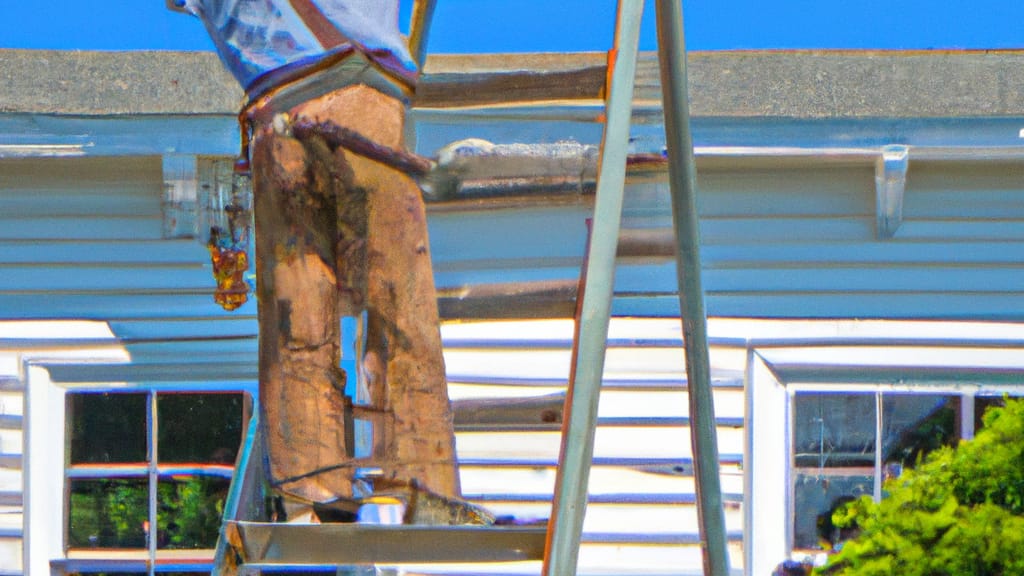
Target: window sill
133,560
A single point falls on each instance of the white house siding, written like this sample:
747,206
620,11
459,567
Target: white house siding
796,240
82,238
783,232
11,520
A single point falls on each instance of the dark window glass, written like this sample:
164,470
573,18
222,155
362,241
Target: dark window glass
189,510
834,450
834,430
108,428
983,403
816,497
109,513
915,424
203,428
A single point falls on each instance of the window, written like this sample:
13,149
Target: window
145,459
845,444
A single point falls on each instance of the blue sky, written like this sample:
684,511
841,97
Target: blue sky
563,25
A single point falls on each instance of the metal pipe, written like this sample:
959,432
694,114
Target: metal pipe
152,532
419,30
577,449
876,493
683,185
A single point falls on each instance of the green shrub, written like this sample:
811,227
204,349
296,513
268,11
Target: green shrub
959,513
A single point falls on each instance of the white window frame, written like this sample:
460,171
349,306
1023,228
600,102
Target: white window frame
767,503
768,491
46,478
31,342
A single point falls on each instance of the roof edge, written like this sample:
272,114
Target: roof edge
737,83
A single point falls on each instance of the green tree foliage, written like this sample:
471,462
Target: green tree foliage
108,514
959,513
190,512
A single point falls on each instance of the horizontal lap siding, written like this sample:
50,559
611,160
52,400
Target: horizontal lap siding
118,305
78,252
961,192
787,241
796,240
82,238
80,199
959,252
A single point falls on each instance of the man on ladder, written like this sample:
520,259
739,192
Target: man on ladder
340,232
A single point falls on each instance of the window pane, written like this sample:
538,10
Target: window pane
834,445
834,430
189,510
915,424
982,404
199,427
107,427
108,513
816,497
